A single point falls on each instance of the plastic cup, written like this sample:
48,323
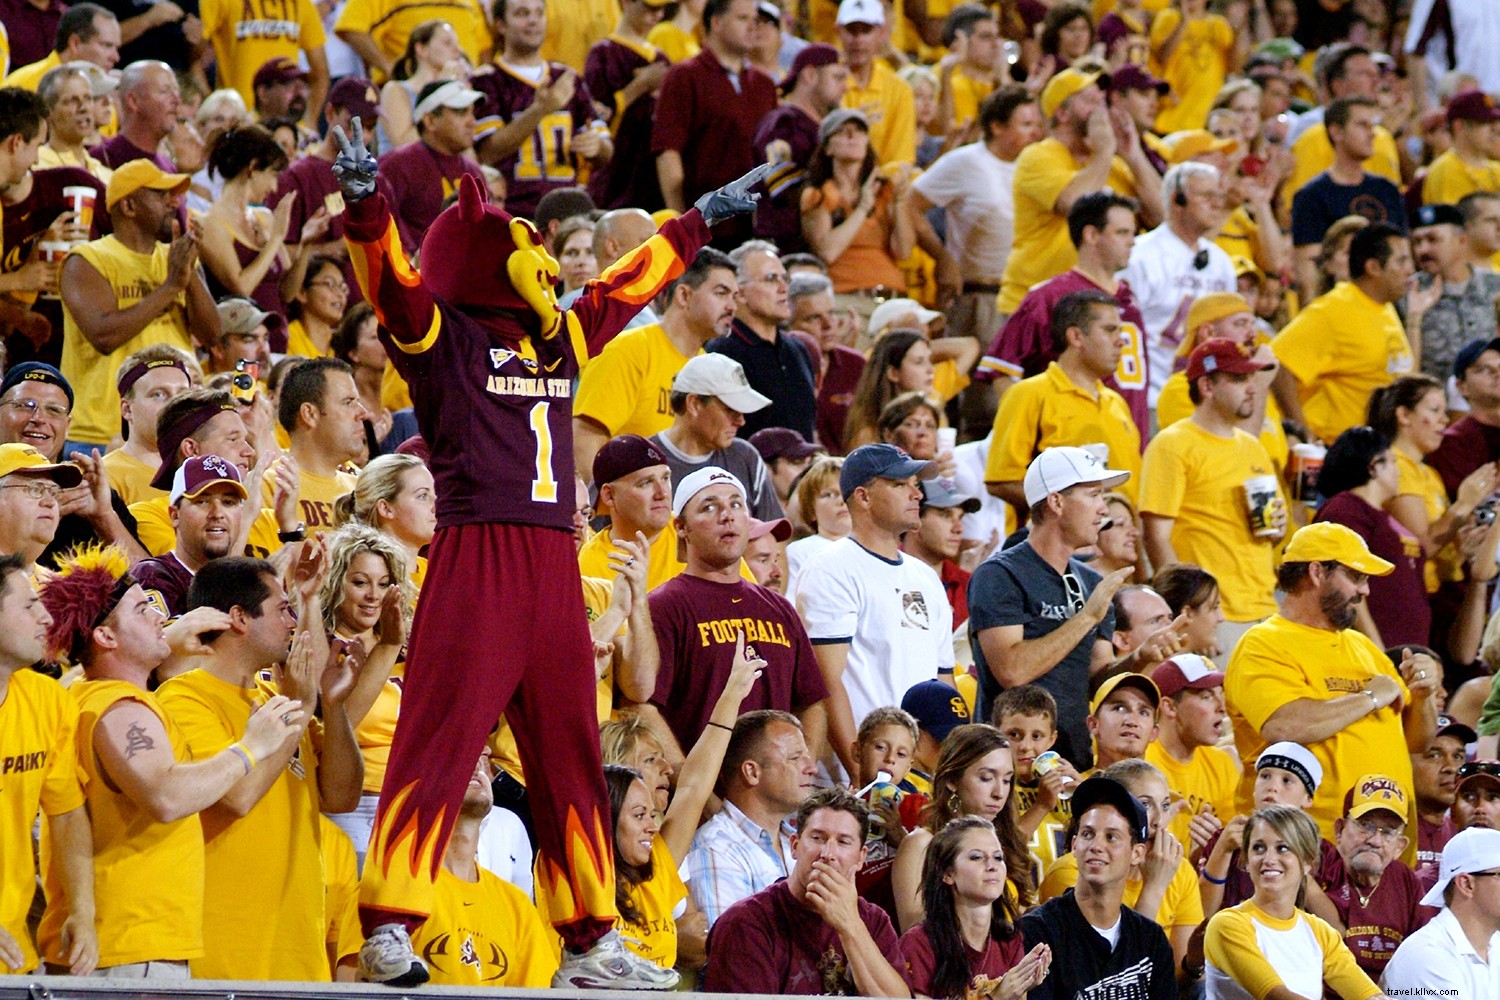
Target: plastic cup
81,199
1262,500
947,439
1051,760
1306,463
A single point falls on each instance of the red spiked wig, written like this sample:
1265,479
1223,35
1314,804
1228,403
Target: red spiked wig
80,594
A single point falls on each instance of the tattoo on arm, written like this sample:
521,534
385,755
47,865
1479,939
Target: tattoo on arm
137,741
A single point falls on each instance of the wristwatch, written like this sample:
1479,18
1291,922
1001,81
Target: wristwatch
297,534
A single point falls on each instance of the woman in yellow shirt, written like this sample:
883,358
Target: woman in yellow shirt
1412,413
316,308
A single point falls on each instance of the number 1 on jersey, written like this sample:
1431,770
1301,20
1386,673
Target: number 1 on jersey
544,486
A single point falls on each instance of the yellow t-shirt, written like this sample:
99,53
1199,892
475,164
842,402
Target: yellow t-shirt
968,94
1240,237
47,157
627,388
153,528
1342,347
316,498
1050,840
573,26
247,33
389,24
340,890
1181,906
1042,248
891,110
1209,778
263,912
298,342
1237,940
1196,68
29,76
661,558
1175,404
132,276
1279,661
483,933
130,477
1422,480
1048,410
1102,7
148,876
674,42
378,728
394,393
656,939
38,726
1313,153
1198,478
1450,178
948,381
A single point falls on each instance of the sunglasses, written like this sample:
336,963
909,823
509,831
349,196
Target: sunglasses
1473,767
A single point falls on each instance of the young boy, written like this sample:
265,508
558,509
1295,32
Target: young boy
887,741
1026,716
1286,774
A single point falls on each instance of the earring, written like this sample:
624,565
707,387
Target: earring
955,807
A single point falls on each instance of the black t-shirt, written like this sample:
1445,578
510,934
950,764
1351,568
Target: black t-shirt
1016,586
165,42
1084,967
1322,202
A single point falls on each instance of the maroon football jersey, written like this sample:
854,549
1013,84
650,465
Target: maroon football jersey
166,582
1378,924
545,161
311,177
629,178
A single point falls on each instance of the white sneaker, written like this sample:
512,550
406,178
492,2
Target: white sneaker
387,957
609,965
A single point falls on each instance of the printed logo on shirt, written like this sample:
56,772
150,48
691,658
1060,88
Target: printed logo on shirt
499,355
290,30
914,611
722,632
1133,983
446,953
22,762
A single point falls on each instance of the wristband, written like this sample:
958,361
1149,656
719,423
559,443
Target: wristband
243,752
297,534
1216,881
1374,704
720,725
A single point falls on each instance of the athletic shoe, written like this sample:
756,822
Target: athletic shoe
609,965
387,957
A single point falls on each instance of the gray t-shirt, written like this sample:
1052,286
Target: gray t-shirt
740,458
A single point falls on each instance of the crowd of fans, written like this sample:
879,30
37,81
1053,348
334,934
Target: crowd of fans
1047,548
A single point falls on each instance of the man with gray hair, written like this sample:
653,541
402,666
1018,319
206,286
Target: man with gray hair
810,298
1178,261
69,92
778,367
149,100
86,31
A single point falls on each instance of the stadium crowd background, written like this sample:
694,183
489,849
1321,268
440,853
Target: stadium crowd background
1118,382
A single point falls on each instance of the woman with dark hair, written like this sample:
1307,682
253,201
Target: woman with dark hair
244,246
1067,34
317,307
969,944
1359,478
900,362
432,53
1193,592
974,774
356,341
854,214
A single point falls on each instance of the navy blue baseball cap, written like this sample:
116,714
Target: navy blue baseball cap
36,371
1099,790
938,708
1436,214
1466,356
880,461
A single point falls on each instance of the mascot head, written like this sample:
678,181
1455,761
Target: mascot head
490,265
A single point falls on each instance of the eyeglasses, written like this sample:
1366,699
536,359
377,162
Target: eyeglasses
35,489
332,284
1076,597
31,406
780,280
1372,830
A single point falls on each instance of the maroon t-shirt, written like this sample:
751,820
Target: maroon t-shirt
1398,601
27,220
1000,955
956,583
416,179
696,621
117,151
32,33
311,177
770,943
1466,446
543,162
845,365
628,179
778,214
166,581
1376,928
712,122
1431,839
1023,347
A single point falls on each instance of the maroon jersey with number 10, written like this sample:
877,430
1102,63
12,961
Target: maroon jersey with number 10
545,159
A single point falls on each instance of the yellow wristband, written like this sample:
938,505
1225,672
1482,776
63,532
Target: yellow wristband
243,752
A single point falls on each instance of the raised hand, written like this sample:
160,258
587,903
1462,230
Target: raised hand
354,167
733,198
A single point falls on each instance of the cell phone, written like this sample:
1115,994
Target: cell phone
242,386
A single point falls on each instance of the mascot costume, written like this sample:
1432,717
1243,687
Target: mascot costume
500,627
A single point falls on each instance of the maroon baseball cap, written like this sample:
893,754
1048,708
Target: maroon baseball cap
1183,671
624,455
816,54
1133,77
1220,355
782,442
202,471
278,70
1473,106
356,95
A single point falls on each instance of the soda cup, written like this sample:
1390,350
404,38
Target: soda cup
80,199
1262,500
1306,462
878,792
947,439
1051,761
52,254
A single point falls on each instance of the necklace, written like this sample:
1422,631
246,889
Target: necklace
1364,897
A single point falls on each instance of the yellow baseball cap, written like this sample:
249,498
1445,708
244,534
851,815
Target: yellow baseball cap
1329,542
1373,792
137,174
1140,682
26,459
1244,266
1065,84
1185,145
1210,308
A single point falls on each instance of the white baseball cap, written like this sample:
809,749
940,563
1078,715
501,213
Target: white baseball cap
452,94
1473,850
861,12
698,480
891,309
720,376
1058,469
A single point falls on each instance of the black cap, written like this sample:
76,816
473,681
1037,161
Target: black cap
1099,790
36,371
1438,214
1466,356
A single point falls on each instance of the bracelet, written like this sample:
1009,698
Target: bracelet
720,725
1216,881
244,754
1374,704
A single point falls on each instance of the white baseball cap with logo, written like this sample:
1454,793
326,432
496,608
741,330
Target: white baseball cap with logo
861,12
698,480
1476,849
722,377
1058,469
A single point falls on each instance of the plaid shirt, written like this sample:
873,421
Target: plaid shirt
732,858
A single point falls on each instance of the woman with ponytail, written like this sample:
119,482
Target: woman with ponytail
432,53
394,495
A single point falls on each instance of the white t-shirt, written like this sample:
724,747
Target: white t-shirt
973,186
797,555
993,514
1475,38
1165,283
894,615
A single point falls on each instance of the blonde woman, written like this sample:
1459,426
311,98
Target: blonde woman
395,495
